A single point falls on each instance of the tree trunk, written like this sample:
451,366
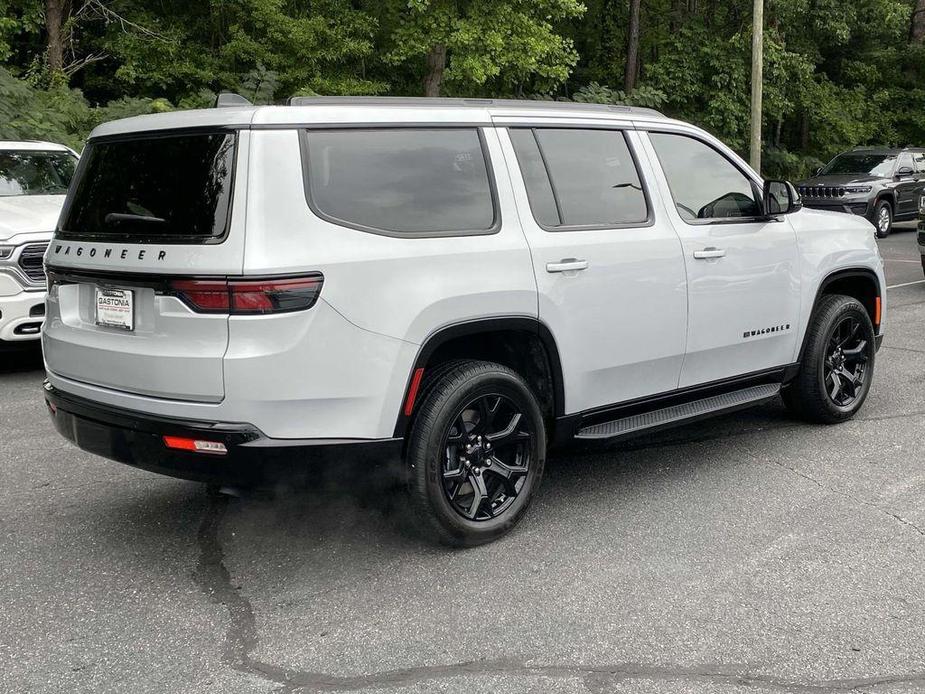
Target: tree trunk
677,15
56,12
436,64
632,48
917,29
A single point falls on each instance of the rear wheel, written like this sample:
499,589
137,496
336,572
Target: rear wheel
838,362
883,219
475,454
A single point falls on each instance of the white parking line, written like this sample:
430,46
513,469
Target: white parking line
906,284
901,260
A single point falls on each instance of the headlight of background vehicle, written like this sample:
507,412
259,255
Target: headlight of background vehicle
922,205
6,251
855,190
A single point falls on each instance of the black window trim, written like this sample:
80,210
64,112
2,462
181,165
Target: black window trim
83,162
495,227
756,189
650,213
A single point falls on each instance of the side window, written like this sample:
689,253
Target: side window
401,181
704,183
580,178
919,158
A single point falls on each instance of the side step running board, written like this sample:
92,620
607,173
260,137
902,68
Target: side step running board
680,414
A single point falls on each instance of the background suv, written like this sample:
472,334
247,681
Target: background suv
883,185
453,283
34,177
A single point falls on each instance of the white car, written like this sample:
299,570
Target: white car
454,283
34,177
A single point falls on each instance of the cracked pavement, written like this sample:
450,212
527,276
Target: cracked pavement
751,553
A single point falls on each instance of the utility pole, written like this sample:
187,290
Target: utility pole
757,83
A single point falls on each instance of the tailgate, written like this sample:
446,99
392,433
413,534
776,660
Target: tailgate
145,211
169,352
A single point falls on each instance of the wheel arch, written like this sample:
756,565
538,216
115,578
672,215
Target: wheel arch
889,196
456,340
860,283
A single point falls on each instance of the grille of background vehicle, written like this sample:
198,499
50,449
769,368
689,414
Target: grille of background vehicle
30,260
822,192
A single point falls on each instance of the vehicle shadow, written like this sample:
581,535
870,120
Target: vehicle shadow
16,359
349,513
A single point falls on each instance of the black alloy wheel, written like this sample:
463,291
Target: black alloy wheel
847,356
837,363
476,452
487,457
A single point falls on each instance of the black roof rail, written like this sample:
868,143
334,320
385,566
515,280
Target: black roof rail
466,102
230,100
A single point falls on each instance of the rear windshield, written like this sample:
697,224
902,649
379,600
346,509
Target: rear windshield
174,188
32,172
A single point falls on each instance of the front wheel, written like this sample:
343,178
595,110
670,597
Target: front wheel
838,362
475,454
883,219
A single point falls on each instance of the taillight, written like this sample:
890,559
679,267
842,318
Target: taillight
180,443
249,297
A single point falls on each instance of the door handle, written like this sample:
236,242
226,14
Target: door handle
567,265
710,252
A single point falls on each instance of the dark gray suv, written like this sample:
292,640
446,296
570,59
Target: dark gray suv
879,183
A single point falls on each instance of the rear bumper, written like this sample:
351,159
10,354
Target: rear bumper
136,439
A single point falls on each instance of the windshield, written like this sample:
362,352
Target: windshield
864,164
31,172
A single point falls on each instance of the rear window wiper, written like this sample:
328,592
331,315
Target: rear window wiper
119,217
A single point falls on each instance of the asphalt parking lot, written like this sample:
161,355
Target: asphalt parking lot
752,553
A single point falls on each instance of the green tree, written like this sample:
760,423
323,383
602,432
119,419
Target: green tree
479,46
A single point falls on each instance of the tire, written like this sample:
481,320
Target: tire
883,218
466,497
814,395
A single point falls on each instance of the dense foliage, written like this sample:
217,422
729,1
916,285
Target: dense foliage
838,74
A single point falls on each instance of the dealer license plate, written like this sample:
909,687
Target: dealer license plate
115,308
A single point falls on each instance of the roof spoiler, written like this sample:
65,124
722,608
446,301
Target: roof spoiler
231,100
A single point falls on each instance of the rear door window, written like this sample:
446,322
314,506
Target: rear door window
401,181
168,188
580,178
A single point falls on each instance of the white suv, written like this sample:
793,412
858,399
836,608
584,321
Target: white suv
456,282
34,177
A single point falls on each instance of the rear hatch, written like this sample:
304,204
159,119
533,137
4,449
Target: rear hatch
147,213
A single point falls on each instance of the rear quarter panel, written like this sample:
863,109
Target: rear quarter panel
389,293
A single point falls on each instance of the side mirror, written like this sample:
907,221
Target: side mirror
904,171
781,197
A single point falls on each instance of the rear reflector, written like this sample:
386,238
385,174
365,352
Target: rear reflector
877,310
195,445
249,297
413,391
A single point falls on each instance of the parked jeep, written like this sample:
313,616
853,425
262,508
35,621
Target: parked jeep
34,177
457,284
880,184
920,236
